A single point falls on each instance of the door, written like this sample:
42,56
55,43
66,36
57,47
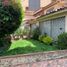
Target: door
58,26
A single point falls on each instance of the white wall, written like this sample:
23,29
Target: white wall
41,26
54,27
34,26
58,27
66,23
45,27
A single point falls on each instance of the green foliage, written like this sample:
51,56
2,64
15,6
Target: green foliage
46,39
19,31
62,41
41,37
36,33
2,42
10,19
27,46
5,43
26,31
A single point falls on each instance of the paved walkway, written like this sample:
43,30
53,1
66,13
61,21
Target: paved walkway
50,63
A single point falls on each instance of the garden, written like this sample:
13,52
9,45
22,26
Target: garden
14,40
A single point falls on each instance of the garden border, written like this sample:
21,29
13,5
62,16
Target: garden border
32,58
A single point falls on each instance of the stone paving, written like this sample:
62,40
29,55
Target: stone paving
49,63
43,59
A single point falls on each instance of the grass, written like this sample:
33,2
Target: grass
27,46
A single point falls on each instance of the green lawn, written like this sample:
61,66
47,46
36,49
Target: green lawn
27,46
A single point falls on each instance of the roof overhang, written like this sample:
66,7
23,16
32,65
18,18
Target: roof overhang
54,15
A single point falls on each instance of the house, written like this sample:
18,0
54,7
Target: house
52,18
49,15
32,6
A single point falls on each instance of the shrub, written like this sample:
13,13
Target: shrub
26,31
36,33
41,37
10,19
62,41
46,39
22,32
19,31
5,43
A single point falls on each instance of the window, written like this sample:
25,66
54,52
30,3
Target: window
34,4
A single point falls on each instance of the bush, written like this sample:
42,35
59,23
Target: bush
62,41
36,33
10,19
22,32
26,31
5,43
46,39
19,31
41,37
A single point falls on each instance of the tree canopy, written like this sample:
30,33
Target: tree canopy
11,15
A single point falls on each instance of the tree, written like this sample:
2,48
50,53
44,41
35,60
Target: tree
10,18
11,15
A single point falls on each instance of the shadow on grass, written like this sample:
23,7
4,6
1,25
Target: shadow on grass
24,50
5,43
39,47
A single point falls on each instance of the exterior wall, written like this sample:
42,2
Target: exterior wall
52,6
53,27
44,3
48,8
41,27
66,23
35,4
45,27
58,27
34,26
39,13
25,4
65,3
43,59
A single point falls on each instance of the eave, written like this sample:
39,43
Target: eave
54,15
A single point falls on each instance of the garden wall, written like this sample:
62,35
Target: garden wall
43,59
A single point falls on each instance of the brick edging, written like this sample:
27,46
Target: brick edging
39,56
33,58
